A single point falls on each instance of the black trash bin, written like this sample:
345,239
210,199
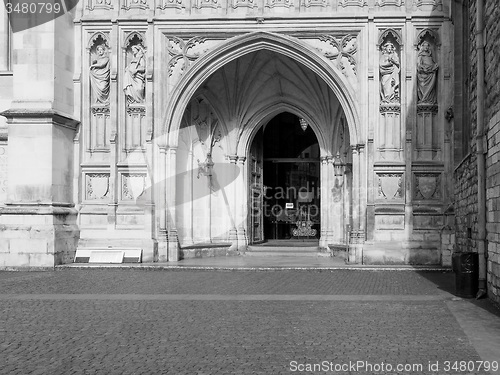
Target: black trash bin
466,268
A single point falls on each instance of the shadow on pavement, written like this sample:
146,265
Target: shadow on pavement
445,281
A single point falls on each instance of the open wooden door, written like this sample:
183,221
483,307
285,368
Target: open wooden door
256,191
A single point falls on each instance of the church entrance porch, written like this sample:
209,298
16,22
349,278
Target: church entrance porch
254,158
291,166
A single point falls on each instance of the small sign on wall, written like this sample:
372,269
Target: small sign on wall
288,205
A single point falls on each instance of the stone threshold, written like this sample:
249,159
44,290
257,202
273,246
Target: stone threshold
177,267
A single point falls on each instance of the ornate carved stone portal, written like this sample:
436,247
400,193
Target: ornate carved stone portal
174,97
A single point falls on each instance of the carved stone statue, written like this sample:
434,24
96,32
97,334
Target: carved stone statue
99,75
426,75
389,74
134,78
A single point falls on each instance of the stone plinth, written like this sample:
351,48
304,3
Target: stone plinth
38,221
37,236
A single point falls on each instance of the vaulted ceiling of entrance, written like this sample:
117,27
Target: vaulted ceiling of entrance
262,79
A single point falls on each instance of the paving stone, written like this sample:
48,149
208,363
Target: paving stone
100,334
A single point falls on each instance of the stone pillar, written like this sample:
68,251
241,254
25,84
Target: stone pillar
161,195
333,230
39,219
4,40
241,204
233,232
362,193
325,202
354,255
173,242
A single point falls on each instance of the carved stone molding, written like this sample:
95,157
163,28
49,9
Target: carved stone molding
249,4
390,186
357,3
382,3
136,109
340,49
101,110
171,4
390,107
427,186
135,4
183,52
99,4
390,34
431,35
279,3
433,3
96,186
314,3
429,108
211,4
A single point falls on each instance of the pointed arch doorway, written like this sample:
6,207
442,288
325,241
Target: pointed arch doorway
285,182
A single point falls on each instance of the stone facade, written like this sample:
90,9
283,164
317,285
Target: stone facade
478,219
149,128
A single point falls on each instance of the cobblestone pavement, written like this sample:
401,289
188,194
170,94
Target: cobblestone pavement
95,321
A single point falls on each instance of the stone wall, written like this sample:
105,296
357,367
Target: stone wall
492,56
493,204
466,204
466,207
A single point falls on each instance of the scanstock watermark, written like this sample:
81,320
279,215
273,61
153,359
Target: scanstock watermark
25,14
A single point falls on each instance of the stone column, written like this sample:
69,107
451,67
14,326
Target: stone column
242,204
362,193
233,232
161,204
323,242
173,242
39,219
354,255
4,40
336,217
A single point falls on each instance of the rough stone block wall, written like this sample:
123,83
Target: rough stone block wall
492,56
492,78
466,205
465,177
493,206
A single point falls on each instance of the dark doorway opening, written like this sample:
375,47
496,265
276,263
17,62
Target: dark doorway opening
291,179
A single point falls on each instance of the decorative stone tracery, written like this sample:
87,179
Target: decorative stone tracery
183,52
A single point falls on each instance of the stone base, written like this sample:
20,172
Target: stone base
207,250
416,253
37,236
339,251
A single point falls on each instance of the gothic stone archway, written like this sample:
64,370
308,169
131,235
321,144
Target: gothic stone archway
259,81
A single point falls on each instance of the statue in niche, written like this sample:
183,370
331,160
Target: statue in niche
426,75
134,78
389,74
99,75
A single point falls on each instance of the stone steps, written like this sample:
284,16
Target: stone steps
285,251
